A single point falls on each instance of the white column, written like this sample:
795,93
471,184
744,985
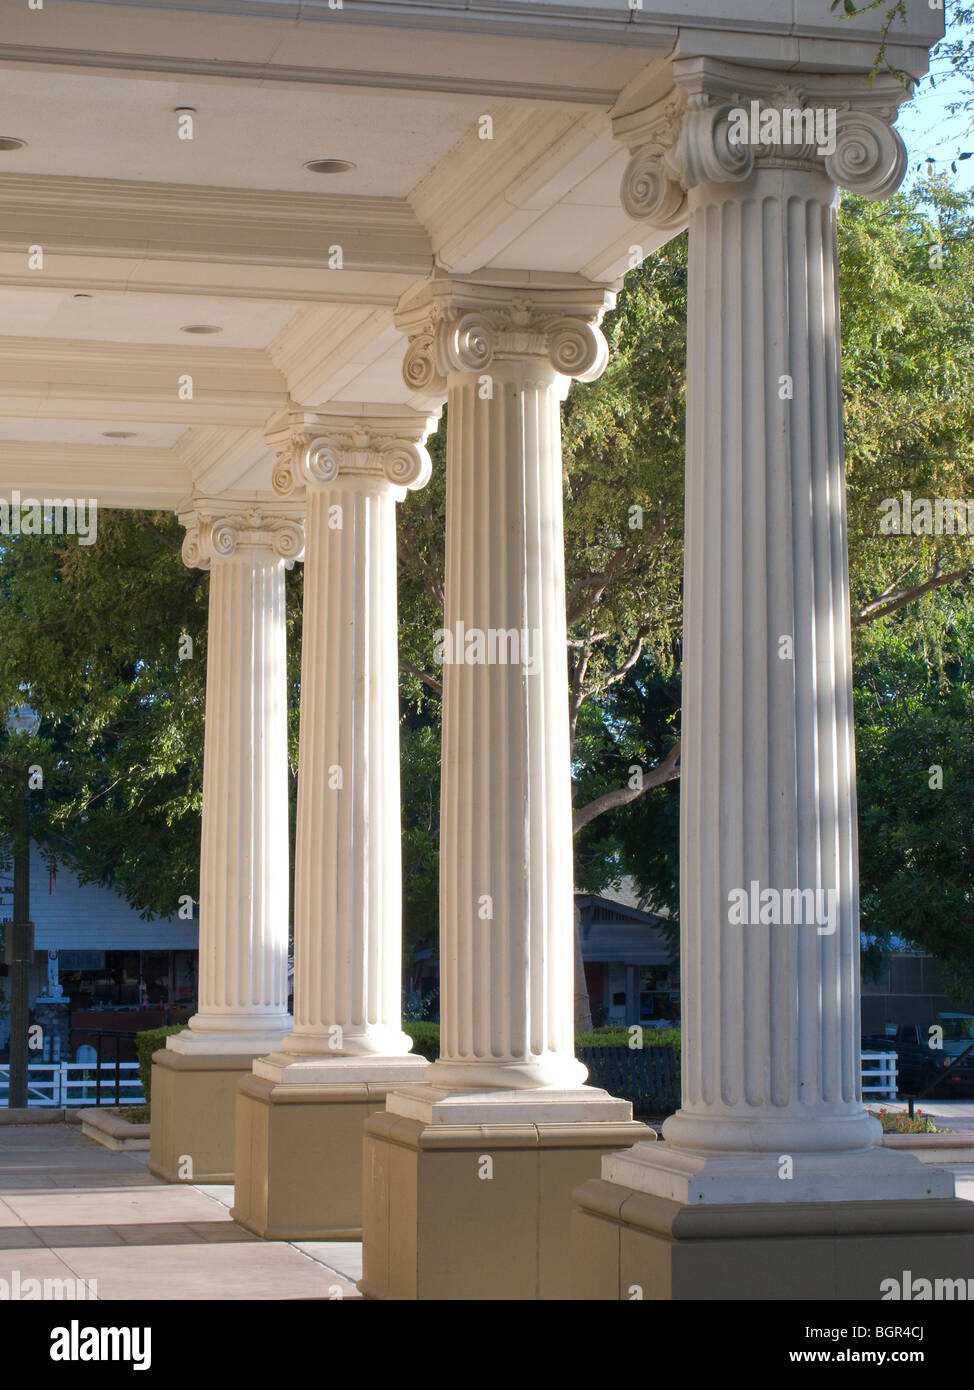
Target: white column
244,845
505,353
348,880
769,906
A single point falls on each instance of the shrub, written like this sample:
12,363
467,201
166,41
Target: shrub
426,1038
145,1044
619,1037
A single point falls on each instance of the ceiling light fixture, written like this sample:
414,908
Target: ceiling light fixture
329,166
118,434
201,328
10,142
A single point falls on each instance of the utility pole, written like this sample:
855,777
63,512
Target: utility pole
19,934
19,954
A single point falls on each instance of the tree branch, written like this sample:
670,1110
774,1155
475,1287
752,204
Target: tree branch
421,675
666,771
889,602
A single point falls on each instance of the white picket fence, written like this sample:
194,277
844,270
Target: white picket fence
879,1075
72,1085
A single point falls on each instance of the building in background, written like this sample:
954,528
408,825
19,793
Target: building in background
117,971
630,975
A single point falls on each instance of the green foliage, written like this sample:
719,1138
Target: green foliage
915,744
147,1042
426,1039
620,1037
92,641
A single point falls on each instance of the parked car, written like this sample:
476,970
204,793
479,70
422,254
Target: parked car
918,1062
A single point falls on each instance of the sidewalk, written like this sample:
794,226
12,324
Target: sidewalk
71,1209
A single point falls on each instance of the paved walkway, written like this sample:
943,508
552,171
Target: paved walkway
72,1209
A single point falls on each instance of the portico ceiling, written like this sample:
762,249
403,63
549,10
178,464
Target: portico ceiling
144,234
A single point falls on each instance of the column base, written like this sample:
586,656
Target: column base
855,1175
192,1115
299,1146
441,1222
628,1245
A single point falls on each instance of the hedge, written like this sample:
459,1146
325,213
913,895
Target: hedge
426,1042
426,1038
145,1044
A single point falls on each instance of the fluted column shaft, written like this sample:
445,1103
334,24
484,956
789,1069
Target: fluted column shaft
348,885
348,878
506,901
771,1009
244,840
769,892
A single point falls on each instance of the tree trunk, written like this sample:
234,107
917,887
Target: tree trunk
583,1008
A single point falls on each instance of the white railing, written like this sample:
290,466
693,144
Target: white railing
879,1075
74,1084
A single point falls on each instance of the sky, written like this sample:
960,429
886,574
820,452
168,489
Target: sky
927,127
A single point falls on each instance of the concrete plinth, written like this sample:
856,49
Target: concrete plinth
475,1211
299,1158
628,1245
193,1115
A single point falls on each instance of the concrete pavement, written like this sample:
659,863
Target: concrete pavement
72,1209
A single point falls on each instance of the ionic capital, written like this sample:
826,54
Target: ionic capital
723,122
324,447
221,528
459,325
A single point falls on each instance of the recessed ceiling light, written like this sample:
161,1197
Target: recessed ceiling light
329,166
118,434
201,328
10,142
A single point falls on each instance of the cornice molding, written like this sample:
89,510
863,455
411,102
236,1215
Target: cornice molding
71,379
483,194
116,475
315,350
169,221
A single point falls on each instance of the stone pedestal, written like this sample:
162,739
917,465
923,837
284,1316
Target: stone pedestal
300,1117
467,1210
244,849
772,1163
